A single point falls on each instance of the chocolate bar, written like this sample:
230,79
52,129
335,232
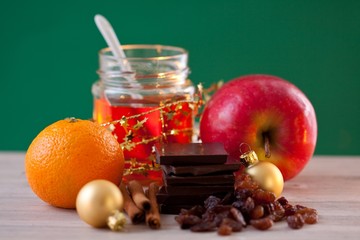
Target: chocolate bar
192,172
224,179
178,154
198,190
173,209
201,170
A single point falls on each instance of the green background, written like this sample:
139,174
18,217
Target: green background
49,56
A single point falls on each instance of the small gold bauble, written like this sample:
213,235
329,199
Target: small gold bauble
268,176
97,200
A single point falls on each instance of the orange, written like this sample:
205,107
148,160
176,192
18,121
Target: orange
68,154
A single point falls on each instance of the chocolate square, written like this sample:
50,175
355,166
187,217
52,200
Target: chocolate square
224,179
198,190
174,209
201,170
178,154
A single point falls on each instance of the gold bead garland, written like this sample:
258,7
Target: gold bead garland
166,111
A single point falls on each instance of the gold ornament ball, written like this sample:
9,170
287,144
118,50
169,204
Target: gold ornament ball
97,200
268,176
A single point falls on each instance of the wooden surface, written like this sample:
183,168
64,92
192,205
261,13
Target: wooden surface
329,184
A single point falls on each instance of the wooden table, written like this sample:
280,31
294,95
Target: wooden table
329,184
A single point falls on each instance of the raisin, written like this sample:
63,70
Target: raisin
244,181
224,230
243,194
211,202
235,225
218,219
295,221
260,196
220,212
237,216
209,216
203,226
220,208
289,210
279,212
197,210
187,221
306,210
238,204
257,212
299,207
262,223
228,226
283,201
268,209
248,206
311,217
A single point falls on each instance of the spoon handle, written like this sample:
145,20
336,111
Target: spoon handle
113,42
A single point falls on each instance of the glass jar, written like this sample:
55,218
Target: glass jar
146,104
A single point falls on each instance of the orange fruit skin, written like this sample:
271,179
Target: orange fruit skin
68,154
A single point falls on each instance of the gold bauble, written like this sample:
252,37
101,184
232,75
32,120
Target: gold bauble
268,176
97,200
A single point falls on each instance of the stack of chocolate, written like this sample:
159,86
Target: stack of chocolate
191,173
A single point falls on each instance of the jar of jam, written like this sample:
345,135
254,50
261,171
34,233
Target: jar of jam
147,103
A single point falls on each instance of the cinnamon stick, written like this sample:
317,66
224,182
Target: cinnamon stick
137,193
153,215
135,214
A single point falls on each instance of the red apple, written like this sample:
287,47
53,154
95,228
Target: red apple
262,110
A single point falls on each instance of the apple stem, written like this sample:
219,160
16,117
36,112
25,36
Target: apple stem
267,145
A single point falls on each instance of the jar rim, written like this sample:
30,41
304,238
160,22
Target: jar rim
181,51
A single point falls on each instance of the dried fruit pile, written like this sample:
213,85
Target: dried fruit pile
248,205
